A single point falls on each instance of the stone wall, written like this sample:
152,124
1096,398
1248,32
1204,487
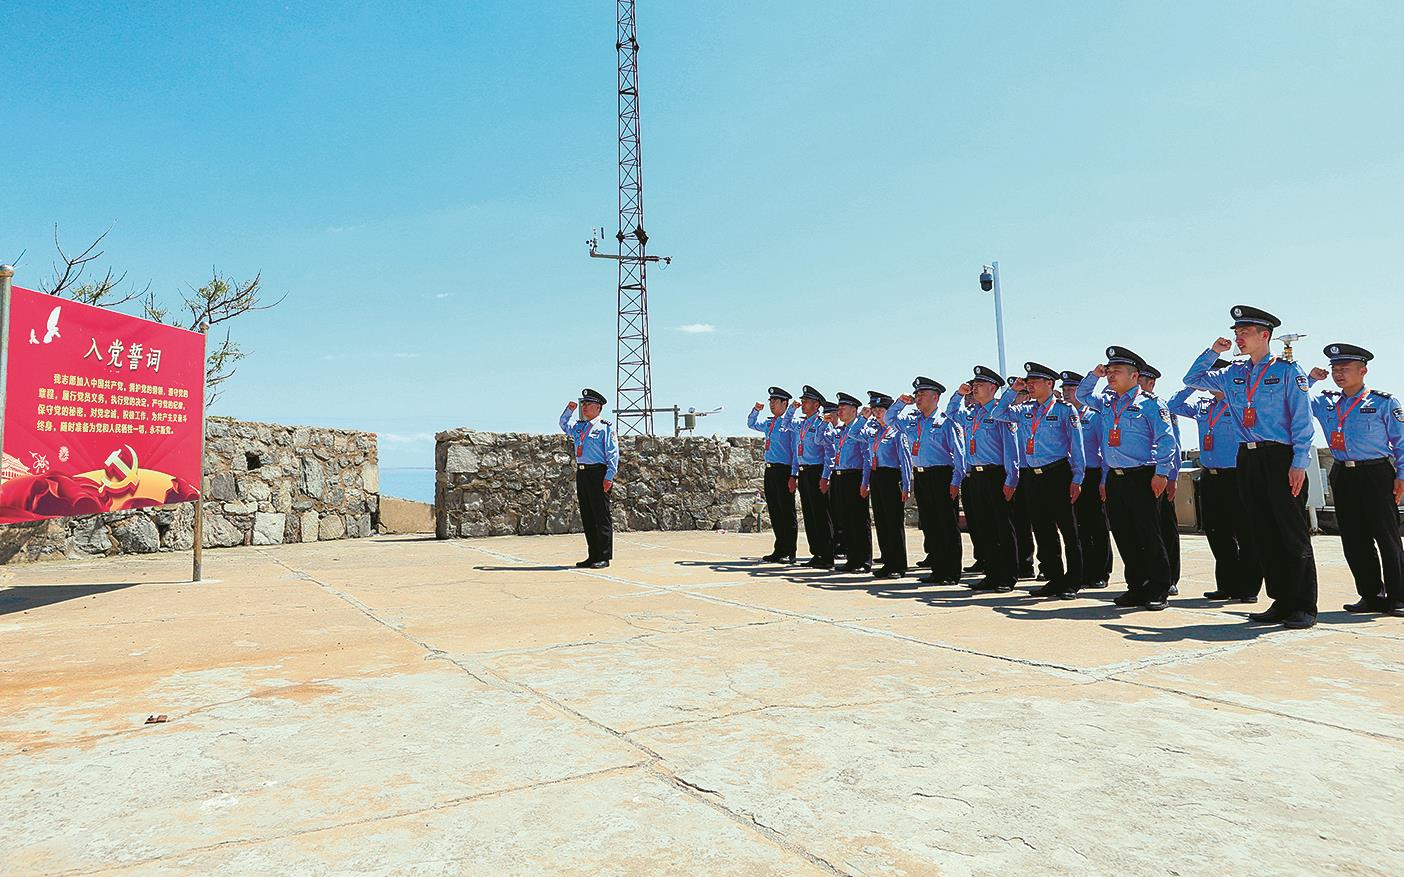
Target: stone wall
264,484
502,484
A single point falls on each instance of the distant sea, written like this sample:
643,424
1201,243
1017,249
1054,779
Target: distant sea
415,484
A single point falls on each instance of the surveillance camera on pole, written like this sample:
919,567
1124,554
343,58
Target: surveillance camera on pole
989,281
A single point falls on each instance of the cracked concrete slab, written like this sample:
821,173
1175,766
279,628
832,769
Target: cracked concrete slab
400,705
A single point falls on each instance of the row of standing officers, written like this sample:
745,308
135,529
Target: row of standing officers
1059,470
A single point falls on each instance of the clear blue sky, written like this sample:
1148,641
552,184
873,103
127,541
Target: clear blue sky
827,176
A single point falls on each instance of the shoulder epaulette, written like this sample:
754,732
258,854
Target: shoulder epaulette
1330,392
605,422
1382,394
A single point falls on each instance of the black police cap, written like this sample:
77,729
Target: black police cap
1125,356
879,400
846,399
780,393
1347,353
829,407
1247,315
1150,371
1035,370
811,394
922,383
589,395
987,374
1071,377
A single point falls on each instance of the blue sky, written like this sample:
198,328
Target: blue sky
827,176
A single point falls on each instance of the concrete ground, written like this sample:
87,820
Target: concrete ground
399,705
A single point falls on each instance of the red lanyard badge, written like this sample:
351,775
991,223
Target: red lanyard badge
580,439
1038,418
775,419
1114,434
804,433
1338,437
1250,414
877,440
975,422
1208,442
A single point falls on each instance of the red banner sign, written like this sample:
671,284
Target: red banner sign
102,411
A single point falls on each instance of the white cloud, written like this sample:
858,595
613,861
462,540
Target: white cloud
697,328
443,295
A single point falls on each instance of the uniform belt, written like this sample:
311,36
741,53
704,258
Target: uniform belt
804,466
1220,471
769,464
1378,461
581,467
934,468
1051,467
886,468
986,468
1130,470
843,471
1255,446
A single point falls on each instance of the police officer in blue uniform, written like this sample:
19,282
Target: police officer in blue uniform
1365,431
1024,538
779,429
1237,574
887,480
1268,397
807,467
991,477
829,437
843,479
1049,434
938,463
1169,525
596,451
1138,457
1092,532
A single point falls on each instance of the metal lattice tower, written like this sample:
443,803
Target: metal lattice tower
634,375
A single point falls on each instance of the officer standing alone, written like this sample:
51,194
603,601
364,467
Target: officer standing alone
1365,431
596,461
780,486
1269,399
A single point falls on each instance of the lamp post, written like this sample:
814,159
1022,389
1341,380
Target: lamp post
989,280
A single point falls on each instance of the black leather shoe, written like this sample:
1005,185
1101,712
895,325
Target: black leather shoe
934,579
1174,590
1026,573
1299,621
1004,587
1040,578
1156,604
1066,595
1396,609
985,584
926,563
1217,595
1362,606
584,563
1047,590
1130,598
599,564
1272,615
820,563
884,573
974,567
1097,585
1251,598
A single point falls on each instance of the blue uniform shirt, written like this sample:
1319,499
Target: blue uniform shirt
988,442
1280,400
809,442
1374,428
936,440
887,447
779,434
1091,438
1213,419
1144,421
848,448
1056,434
593,441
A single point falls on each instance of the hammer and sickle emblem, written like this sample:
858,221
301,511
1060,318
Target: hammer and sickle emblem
120,476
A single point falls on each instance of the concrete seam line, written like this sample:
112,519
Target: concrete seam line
437,805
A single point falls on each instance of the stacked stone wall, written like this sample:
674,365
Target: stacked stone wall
264,484
503,484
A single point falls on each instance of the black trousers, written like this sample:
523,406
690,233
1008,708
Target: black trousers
936,515
594,510
1051,515
1236,569
1092,532
818,531
1369,525
851,512
1023,533
989,515
889,517
780,505
1277,525
830,507
1134,512
1170,535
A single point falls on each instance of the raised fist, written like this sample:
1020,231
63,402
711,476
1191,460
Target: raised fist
796,403
963,389
1222,345
1019,385
907,398
1319,374
865,412
759,406
571,406
1100,371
